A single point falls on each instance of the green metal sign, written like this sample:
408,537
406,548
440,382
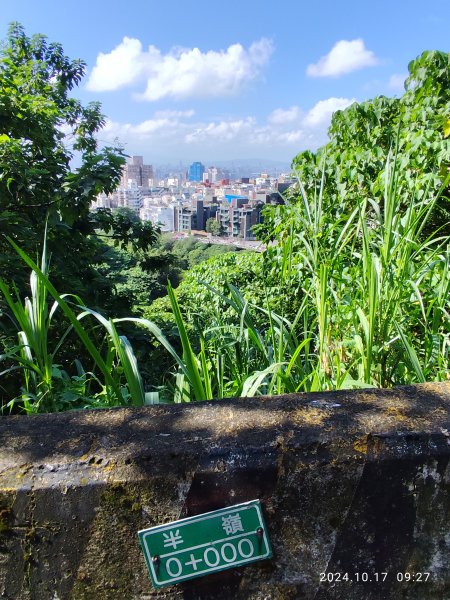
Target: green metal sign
203,544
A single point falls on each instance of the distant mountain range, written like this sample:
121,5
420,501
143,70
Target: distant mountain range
239,167
254,162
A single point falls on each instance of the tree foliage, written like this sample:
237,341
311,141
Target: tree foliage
213,226
415,127
43,130
363,236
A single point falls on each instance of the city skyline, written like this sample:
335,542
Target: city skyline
203,201
211,83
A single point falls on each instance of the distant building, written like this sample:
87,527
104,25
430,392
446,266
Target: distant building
213,174
237,216
129,197
196,171
185,205
184,218
103,201
194,217
159,215
136,171
284,185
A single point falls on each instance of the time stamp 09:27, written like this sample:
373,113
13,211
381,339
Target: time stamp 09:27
366,577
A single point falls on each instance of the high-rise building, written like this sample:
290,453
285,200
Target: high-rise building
136,171
213,174
134,183
196,171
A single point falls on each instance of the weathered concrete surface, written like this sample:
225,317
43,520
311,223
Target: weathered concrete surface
350,482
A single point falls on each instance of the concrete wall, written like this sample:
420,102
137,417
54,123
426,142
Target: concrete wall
350,482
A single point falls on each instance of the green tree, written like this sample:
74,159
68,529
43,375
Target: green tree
137,277
44,133
245,270
42,130
351,166
213,227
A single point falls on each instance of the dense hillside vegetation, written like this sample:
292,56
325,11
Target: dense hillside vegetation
351,291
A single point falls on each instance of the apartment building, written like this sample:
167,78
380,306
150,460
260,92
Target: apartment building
237,215
129,197
159,215
193,216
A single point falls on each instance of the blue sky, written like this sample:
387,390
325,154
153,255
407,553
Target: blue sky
241,79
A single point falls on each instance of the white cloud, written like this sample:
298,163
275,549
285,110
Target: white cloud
271,136
290,137
397,82
162,114
284,133
182,73
321,112
157,131
151,126
222,131
345,57
121,67
279,115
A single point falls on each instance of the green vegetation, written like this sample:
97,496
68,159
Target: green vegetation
415,127
42,127
213,227
352,289
375,288
138,277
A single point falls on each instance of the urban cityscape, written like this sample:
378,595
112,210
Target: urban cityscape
199,201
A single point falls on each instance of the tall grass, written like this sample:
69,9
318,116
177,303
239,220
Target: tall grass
45,385
375,291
